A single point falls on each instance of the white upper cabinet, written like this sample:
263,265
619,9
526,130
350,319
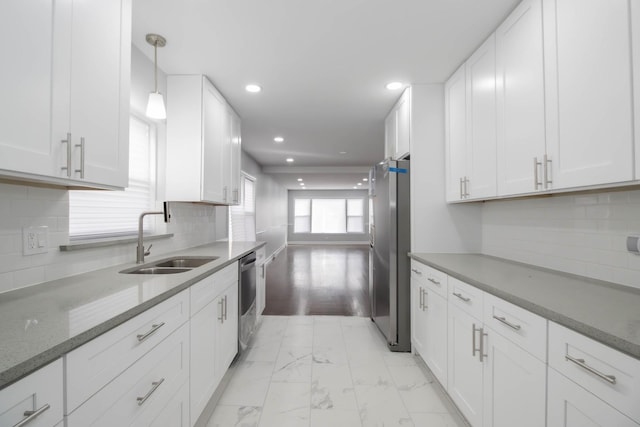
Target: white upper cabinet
481,121
455,135
635,42
69,74
397,127
589,92
203,143
520,99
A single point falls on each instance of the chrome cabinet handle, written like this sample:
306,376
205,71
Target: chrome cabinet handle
236,196
611,379
421,299
536,182
221,310
473,339
434,281
483,355
224,193
32,415
68,167
461,190
466,186
144,398
81,145
225,307
424,300
465,299
418,272
153,330
506,322
548,180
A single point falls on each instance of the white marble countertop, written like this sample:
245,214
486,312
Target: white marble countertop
41,323
604,311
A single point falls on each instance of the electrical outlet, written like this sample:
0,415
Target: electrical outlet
35,240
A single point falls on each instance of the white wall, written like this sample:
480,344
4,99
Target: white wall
30,205
271,207
435,225
583,234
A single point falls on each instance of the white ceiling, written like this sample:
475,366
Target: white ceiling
323,66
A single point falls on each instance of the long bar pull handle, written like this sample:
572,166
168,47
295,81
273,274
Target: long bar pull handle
68,166
548,179
224,194
421,299
473,339
418,272
32,415
483,355
424,300
466,187
611,379
81,145
506,322
463,298
220,311
536,179
144,398
153,330
434,281
225,307
236,196
461,190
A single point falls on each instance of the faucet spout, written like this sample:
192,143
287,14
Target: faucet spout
140,250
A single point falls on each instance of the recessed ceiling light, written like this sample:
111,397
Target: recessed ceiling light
359,183
394,85
365,179
343,152
299,179
253,88
278,139
289,160
302,183
355,188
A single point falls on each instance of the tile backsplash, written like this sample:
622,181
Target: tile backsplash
583,234
26,205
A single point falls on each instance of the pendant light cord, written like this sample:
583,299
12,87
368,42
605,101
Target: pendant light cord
155,65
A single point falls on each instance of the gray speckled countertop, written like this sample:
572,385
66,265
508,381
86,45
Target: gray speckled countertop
604,311
38,324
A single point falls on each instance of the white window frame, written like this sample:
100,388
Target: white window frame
346,216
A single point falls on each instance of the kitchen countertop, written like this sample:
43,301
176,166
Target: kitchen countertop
41,323
604,311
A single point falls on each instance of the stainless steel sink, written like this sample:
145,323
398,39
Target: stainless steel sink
185,262
178,264
155,270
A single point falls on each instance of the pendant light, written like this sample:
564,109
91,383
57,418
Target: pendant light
155,105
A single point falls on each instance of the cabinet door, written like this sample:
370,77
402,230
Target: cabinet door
465,369
481,120
455,134
569,405
390,133
227,333
589,92
418,319
40,391
203,381
520,99
514,385
435,354
99,92
635,44
175,413
234,158
403,117
26,85
215,129
261,291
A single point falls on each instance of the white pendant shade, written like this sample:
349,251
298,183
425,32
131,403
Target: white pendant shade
155,106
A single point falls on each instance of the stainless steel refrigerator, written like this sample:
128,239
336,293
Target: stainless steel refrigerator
390,242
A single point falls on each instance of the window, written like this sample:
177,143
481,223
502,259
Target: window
328,216
242,218
95,214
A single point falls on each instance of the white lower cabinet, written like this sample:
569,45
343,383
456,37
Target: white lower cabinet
514,385
570,405
37,397
135,397
214,336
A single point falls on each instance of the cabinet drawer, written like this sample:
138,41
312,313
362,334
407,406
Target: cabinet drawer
138,394
91,366
206,290
518,325
33,393
607,373
466,297
434,280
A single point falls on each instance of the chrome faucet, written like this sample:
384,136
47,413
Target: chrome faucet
140,250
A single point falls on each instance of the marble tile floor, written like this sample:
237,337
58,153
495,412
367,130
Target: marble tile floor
328,371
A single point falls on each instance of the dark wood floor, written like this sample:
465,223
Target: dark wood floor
319,280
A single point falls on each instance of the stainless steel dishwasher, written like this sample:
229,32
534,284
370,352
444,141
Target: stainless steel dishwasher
246,300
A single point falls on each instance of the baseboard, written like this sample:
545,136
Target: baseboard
324,242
